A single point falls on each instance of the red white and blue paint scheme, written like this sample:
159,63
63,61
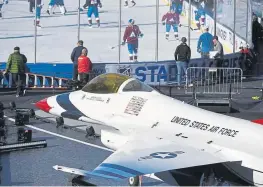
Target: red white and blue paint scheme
153,133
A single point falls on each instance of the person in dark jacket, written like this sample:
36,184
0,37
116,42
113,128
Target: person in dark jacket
31,5
74,58
16,66
182,57
86,4
256,33
1,6
218,59
219,56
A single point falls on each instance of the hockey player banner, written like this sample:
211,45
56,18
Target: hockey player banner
225,13
243,20
257,7
225,22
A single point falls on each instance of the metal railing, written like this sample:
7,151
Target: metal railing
32,80
199,80
205,80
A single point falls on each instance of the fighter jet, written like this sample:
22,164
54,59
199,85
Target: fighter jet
156,134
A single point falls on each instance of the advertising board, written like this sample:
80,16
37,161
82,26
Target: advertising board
161,73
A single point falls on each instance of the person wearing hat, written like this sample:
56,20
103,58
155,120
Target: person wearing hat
182,57
74,58
131,35
16,66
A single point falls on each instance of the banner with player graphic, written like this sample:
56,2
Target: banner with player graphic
228,21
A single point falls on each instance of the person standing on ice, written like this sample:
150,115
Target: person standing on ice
93,9
1,6
177,6
52,5
126,4
171,19
131,35
38,12
200,16
31,5
61,5
2,2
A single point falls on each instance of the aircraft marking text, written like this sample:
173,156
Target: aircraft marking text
94,98
205,127
135,105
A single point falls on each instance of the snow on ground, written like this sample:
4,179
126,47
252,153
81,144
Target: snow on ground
58,36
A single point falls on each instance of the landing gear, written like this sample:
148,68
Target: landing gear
79,181
134,181
209,178
76,181
59,121
90,131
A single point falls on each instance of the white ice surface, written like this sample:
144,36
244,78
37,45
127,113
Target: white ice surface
59,33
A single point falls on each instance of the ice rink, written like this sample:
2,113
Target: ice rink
58,35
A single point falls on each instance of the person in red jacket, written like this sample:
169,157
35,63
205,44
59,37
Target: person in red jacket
131,35
84,66
171,19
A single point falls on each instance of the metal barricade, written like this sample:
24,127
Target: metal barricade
36,81
6,80
205,80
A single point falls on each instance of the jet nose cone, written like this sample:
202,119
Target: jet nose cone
43,105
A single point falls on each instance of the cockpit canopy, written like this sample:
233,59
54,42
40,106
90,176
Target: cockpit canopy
112,83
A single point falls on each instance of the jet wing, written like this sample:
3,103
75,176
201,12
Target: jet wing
140,157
